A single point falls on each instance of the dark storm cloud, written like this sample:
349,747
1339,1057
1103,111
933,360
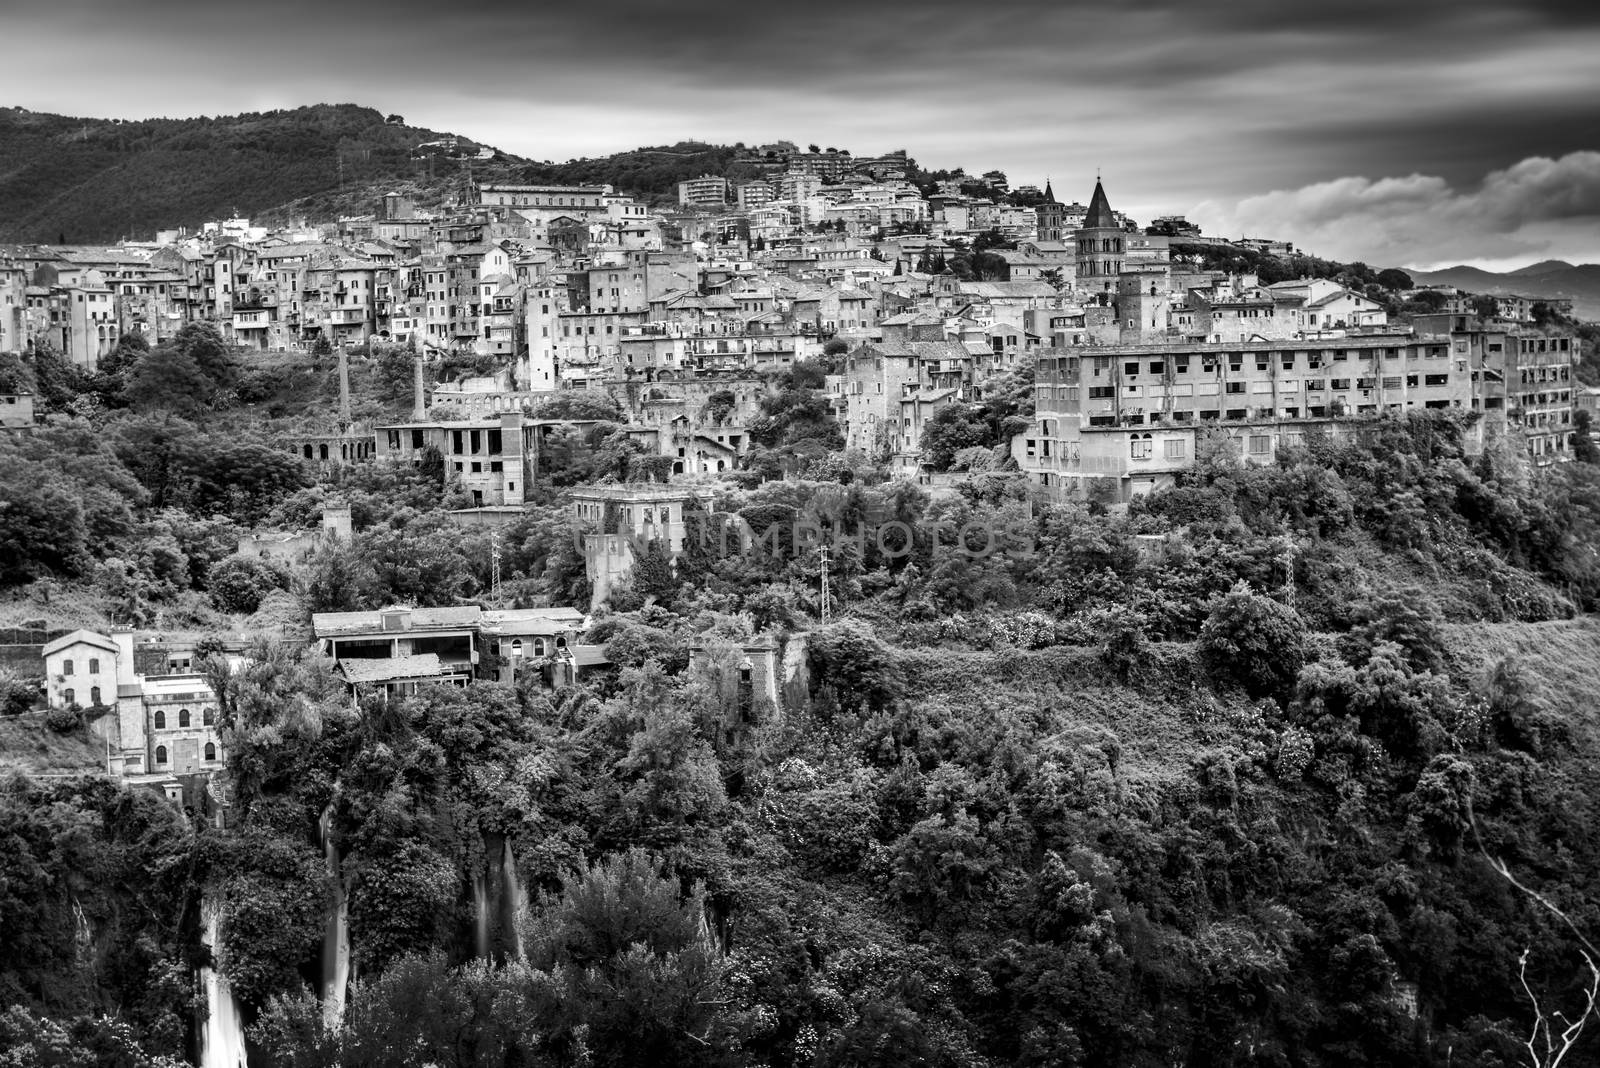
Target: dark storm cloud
1176,102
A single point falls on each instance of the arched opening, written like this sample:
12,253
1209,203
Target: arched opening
159,720
308,452
183,717
538,647
209,717
94,695
161,754
211,750
323,451
69,696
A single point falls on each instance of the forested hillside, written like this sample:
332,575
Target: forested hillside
74,180
1224,780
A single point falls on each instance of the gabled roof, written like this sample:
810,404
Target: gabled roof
80,637
922,350
1100,216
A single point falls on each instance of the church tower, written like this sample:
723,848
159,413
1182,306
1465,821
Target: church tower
1100,248
1050,217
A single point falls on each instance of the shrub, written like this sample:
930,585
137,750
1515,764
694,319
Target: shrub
1253,641
64,720
239,583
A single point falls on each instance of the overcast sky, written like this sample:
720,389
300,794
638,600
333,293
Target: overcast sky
1400,131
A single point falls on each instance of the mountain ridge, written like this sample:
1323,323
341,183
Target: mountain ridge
1579,283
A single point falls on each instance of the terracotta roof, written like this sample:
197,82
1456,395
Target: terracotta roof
79,637
420,666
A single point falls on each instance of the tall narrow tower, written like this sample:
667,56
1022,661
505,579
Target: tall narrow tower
1099,248
419,403
344,387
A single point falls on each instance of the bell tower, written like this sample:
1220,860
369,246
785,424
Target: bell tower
1100,247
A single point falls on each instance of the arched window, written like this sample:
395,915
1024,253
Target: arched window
516,647
161,754
159,720
94,665
538,647
1140,446
69,697
66,667
209,717
183,717
211,750
94,695
308,452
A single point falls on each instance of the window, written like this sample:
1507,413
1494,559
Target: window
94,695
1260,444
159,720
94,665
211,750
66,667
161,754
69,697
1176,449
183,717
1139,446
209,717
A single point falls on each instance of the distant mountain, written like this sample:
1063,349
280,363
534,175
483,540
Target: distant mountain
1551,278
1542,267
97,180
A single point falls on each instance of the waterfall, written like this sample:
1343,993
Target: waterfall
336,935
497,898
480,915
512,901
221,1032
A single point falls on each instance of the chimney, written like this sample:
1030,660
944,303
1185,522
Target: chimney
419,404
344,387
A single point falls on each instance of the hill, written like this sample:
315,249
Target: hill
1550,278
76,180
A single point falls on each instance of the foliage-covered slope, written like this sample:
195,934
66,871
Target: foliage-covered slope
90,180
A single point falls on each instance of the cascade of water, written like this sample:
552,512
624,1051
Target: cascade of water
336,935
512,902
480,915
221,1032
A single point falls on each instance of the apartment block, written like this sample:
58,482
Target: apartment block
1130,416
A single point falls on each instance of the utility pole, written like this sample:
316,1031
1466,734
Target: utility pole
1288,570
827,597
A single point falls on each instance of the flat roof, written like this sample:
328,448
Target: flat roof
329,624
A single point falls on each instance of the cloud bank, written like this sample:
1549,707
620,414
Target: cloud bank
1537,208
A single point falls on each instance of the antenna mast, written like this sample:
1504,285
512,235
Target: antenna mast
494,567
827,597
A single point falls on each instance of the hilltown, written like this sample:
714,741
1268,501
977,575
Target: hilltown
1133,355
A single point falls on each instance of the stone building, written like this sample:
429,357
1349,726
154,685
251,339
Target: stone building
1128,418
